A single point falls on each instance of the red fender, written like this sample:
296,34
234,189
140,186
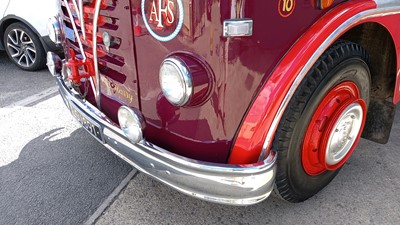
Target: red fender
259,126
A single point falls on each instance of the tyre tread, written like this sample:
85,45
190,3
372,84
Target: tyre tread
339,51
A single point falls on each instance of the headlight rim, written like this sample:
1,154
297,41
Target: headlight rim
184,75
139,121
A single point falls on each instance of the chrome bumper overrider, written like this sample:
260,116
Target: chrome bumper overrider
221,183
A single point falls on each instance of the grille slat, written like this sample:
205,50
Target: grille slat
108,22
115,19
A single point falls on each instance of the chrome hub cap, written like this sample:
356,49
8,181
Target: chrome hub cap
21,47
334,129
344,134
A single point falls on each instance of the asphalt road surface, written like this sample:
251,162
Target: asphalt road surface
366,191
53,172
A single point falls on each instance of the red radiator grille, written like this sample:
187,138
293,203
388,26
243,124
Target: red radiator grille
110,62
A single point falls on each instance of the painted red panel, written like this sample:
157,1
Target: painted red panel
240,66
252,134
117,63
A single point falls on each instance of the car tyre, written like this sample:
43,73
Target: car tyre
24,48
323,122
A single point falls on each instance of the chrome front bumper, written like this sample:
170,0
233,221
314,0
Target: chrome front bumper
220,183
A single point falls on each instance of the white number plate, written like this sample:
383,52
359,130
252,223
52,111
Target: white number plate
90,126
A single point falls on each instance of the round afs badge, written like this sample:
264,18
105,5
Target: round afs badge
163,18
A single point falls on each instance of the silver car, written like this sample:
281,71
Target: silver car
23,31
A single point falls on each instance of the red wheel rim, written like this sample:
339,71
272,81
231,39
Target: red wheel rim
334,129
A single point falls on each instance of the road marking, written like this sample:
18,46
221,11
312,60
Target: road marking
34,98
106,203
6,110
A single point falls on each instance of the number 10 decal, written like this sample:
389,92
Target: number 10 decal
286,7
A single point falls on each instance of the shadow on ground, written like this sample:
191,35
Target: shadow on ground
58,181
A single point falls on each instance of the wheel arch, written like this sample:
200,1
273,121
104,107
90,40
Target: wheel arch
10,19
255,135
380,45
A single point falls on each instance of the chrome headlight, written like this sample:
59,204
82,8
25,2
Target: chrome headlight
176,81
131,124
54,30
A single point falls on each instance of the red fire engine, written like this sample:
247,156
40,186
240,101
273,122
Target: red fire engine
229,100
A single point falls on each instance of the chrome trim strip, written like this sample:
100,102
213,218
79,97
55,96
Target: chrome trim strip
378,12
82,19
220,183
75,29
386,3
76,7
95,59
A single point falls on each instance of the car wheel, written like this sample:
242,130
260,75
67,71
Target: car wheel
24,48
323,122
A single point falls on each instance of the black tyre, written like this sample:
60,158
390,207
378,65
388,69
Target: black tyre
24,48
323,122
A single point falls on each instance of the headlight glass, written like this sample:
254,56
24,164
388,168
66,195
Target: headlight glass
130,124
176,81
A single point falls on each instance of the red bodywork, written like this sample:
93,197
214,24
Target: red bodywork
249,142
250,74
